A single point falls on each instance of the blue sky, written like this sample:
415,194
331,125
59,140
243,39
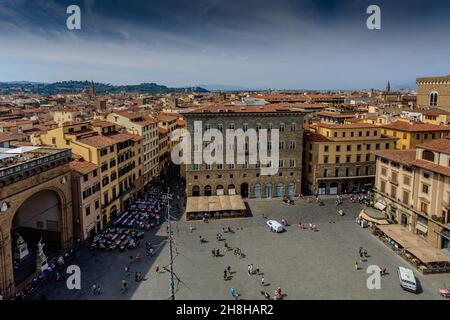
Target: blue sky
251,43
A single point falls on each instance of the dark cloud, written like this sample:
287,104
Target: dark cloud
283,43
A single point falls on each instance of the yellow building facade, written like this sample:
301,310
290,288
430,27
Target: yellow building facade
338,157
118,154
410,134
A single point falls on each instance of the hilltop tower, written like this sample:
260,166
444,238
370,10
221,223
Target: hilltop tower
388,86
92,89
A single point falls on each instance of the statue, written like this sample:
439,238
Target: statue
41,258
21,248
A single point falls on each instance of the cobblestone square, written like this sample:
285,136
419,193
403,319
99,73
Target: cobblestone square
305,264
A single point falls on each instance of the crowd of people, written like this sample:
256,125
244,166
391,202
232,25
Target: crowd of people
128,229
54,272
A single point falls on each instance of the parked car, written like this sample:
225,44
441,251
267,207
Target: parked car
407,279
275,226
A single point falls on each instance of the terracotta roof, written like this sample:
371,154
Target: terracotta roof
166,117
5,136
181,122
102,141
347,125
82,166
432,166
314,137
439,145
101,123
415,127
274,107
336,114
128,114
401,156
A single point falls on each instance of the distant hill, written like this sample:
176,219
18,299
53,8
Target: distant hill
222,87
79,86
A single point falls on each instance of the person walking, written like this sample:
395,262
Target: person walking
157,268
263,280
124,286
356,265
225,275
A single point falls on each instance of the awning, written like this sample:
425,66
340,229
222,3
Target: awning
363,215
415,245
215,204
421,227
380,206
428,254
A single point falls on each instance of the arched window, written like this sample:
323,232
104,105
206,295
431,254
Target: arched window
291,189
280,190
195,191
257,190
269,190
219,190
428,155
433,98
208,191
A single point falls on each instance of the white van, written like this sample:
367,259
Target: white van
275,226
407,279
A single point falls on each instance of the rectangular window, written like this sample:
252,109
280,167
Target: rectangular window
291,163
406,180
425,188
393,192
293,126
424,207
405,197
338,148
383,186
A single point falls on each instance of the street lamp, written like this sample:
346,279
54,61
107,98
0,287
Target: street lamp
168,197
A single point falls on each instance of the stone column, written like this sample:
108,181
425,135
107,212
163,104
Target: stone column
6,267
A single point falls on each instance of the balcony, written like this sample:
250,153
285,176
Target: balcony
392,181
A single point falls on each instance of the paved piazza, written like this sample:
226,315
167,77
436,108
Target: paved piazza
305,264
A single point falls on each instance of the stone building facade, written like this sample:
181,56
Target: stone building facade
246,179
35,195
338,157
415,187
434,92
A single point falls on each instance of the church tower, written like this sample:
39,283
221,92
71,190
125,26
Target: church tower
388,86
92,89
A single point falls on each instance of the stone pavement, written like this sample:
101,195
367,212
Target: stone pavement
305,264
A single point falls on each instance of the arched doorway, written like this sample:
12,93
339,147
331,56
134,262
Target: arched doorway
208,191
244,190
404,220
231,189
113,213
334,188
257,190
269,190
322,189
291,189
37,219
196,191
219,190
280,190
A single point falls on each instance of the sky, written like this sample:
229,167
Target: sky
282,44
